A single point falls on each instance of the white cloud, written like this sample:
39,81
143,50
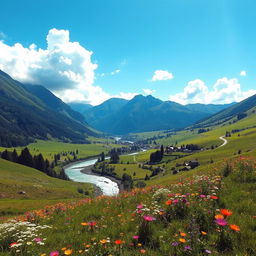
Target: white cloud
162,75
243,73
148,91
115,72
224,91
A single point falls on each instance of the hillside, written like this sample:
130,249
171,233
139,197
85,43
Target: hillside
19,182
118,116
24,117
229,114
53,102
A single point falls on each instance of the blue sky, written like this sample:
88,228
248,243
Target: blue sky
200,48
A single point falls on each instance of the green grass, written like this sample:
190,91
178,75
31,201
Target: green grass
130,169
119,219
49,148
37,186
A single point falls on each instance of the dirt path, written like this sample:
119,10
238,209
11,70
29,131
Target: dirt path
224,141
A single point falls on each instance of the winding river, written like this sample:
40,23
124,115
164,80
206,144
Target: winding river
107,186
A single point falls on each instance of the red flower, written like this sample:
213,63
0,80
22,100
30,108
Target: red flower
118,242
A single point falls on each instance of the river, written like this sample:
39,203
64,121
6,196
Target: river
107,186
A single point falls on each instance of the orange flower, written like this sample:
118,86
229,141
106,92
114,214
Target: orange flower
182,240
226,212
142,251
203,233
118,242
84,224
68,252
219,217
183,234
168,202
234,227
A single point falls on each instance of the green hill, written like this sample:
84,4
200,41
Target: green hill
24,118
231,113
26,187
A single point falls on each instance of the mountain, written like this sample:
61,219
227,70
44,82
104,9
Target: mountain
80,107
144,113
208,108
235,111
24,117
53,102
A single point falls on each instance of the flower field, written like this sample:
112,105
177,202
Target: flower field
205,215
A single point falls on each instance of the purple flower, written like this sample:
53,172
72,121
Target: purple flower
221,222
175,244
208,251
202,196
187,248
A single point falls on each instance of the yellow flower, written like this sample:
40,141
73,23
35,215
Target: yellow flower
103,241
182,240
68,252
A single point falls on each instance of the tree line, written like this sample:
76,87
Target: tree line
37,162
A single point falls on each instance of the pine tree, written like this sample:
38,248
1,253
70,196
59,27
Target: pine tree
26,158
14,156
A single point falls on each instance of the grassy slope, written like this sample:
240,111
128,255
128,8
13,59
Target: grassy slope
40,189
49,148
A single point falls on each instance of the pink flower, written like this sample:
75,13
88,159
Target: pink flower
221,222
148,218
135,237
38,239
55,253
140,206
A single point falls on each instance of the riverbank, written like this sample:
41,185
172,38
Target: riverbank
88,170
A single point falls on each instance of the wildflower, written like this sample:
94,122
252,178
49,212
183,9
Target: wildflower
38,239
142,251
103,241
168,202
55,253
208,251
140,206
182,240
84,224
135,237
214,197
174,243
68,252
234,227
203,233
13,244
187,248
183,234
226,212
148,218
118,242
219,216
221,222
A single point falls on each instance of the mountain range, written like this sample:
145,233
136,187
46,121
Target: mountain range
144,113
29,112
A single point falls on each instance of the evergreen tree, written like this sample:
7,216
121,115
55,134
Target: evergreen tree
102,156
15,156
26,158
6,155
39,163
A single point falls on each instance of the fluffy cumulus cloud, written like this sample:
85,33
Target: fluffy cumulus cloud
161,75
223,91
243,73
148,91
64,67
